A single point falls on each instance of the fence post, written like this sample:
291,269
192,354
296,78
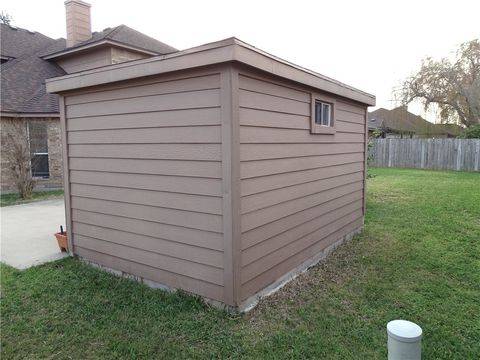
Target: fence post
477,155
459,154
422,159
389,152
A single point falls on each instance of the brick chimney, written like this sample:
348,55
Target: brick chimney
79,25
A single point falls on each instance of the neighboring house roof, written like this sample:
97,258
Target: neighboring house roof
396,120
24,68
228,50
17,42
400,120
24,74
120,35
449,129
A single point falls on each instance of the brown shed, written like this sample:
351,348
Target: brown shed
220,170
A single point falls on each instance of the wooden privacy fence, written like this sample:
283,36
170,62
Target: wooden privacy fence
439,154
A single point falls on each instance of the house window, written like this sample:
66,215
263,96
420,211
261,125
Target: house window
323,113
37,132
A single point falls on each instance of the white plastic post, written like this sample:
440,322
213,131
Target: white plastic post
404,340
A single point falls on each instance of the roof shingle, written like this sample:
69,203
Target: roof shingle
23,77
24,74
125,35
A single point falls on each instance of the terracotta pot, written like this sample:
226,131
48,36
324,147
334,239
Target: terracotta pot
62,241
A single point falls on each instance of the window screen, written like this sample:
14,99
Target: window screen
39,148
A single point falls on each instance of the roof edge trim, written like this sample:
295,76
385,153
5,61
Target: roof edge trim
227,50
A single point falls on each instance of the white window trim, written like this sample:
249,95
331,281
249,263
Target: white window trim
322,104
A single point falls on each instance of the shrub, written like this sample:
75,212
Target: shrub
20,162
472,132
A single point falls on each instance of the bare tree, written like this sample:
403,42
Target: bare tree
20,161
453,86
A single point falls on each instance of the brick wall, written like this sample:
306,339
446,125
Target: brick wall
16,129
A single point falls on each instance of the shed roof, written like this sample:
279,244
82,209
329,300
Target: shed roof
227,50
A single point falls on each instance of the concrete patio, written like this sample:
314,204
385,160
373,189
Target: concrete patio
27,233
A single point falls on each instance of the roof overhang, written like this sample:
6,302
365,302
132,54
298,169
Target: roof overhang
102,43
228,50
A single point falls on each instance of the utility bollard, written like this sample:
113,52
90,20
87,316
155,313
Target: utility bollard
404,340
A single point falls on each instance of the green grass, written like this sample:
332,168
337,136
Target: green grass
418,259
13,199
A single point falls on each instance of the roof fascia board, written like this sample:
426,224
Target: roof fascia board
223,51
261,60
140,68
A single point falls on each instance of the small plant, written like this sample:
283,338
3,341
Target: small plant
376,133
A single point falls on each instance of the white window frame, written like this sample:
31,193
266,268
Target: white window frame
322,106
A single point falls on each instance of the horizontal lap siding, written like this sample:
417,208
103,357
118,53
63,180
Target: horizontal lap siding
299,192
183,235
198,203
86,61
321,241
153,273
159,119
204,169
178,184
146,180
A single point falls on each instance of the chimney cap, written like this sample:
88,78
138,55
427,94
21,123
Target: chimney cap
79,2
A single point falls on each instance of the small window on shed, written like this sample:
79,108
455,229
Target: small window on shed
323,115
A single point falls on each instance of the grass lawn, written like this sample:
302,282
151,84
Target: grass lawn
12,199
418,259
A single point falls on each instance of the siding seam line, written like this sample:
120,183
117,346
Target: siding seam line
150,266
317,217
155,237
316,242
149,250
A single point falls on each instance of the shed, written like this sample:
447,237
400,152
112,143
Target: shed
220,170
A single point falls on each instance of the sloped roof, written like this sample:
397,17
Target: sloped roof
400,120
17,42
450,129
121,35
23,76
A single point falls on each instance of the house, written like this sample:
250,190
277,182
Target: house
220,170
400,123
28,113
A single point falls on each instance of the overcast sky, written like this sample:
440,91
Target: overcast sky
371,45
